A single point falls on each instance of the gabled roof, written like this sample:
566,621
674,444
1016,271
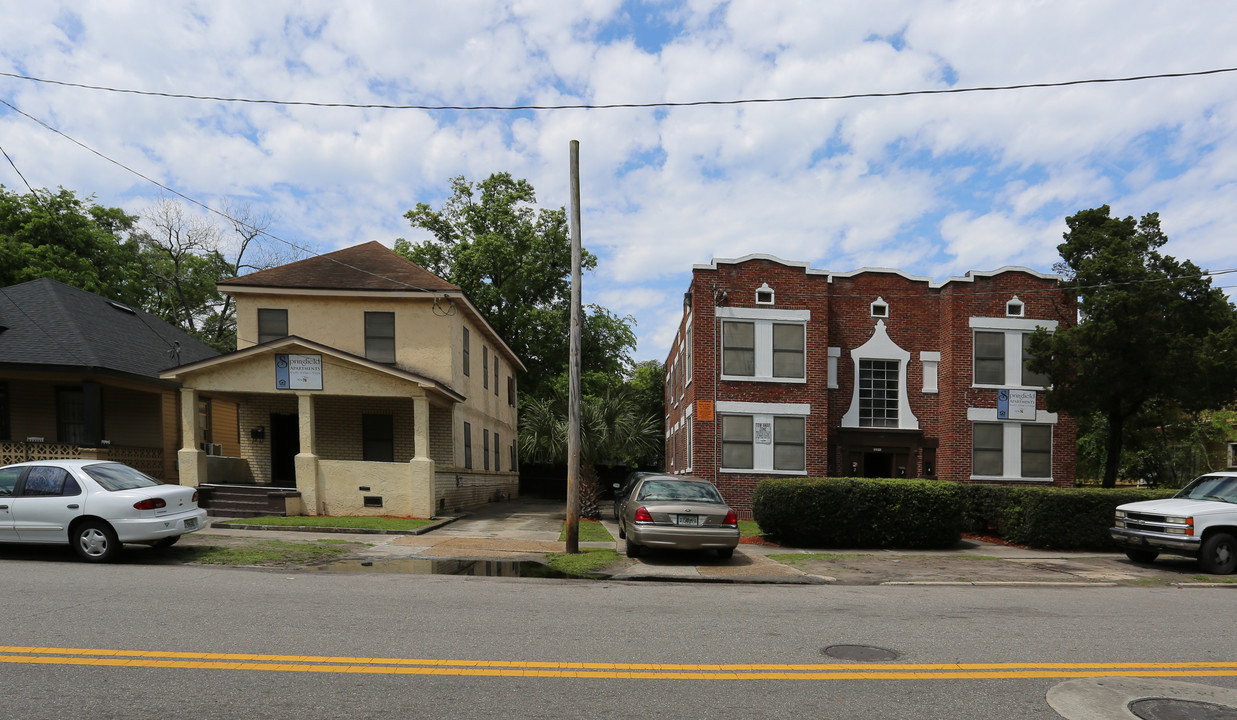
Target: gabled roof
180,374
370,266
52,325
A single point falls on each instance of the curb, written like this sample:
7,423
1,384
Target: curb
438,522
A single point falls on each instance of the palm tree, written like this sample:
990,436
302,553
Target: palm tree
610,428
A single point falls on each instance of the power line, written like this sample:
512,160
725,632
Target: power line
615,106
200,204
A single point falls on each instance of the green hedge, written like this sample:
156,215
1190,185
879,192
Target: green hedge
865,513
1048,517
859,513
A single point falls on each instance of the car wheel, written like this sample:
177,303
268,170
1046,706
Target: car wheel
1141,556
633,550
95,541
725,553
1219,554
166,542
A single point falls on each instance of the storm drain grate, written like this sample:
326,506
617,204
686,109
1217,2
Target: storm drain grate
862,653
1170,709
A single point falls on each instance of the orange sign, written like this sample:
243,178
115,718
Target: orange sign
704,410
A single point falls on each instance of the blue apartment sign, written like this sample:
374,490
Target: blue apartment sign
1015,404
298,372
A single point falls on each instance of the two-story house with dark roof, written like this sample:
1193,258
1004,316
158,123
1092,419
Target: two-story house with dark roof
782,370
79,377
367,384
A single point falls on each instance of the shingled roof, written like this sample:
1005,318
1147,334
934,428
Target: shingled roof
370,266
49,325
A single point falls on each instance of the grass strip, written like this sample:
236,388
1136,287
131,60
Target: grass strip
587,561
590,531
749,528
353,522
266,553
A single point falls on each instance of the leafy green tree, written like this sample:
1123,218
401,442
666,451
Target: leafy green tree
1153,332
612,428
514,263
70,239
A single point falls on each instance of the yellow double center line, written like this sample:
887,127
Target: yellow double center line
643,671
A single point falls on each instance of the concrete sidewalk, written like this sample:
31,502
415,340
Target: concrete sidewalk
528,529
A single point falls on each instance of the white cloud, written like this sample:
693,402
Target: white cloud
934,185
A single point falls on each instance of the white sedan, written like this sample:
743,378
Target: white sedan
93,505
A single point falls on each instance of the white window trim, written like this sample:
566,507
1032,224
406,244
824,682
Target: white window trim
1011,446
762,332
880,303
687,423
1022,307
688,347
764,288
734,313
931,363
880,347
1014,329
762,455
834,354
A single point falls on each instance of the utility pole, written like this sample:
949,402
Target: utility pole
573,387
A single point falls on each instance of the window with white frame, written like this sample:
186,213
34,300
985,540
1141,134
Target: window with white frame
1000,351
737,443
687,361
764,294
880,398
878,393
880,308
764,345
1011,450
764,437
739,349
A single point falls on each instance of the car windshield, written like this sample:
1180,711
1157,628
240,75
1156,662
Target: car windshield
114,476
1211,487
670,490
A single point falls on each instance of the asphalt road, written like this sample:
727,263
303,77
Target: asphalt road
130,641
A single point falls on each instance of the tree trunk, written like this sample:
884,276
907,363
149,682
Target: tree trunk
1116,427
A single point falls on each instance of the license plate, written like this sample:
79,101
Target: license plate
689,520
191,523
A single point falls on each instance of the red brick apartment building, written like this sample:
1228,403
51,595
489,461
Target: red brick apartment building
781,370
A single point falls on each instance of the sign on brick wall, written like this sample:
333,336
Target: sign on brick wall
1015,405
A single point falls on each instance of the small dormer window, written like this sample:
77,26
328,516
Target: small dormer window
764,294
1014,308
880,308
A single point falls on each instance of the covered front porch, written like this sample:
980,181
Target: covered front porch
350,436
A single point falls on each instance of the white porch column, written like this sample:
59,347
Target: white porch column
190,459
421,467
308,478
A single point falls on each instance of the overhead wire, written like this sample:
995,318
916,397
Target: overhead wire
309,251
204,206
627,105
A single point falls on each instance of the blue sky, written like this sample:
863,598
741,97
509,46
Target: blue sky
933,185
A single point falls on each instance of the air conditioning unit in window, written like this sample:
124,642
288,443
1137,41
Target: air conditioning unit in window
211,448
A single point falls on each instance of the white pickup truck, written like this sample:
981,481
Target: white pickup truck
1198,522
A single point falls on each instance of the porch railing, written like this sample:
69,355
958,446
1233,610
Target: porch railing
148,460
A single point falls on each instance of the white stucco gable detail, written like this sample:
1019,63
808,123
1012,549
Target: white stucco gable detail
880,347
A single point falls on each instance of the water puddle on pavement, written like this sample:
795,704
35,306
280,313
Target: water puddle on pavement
430,566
